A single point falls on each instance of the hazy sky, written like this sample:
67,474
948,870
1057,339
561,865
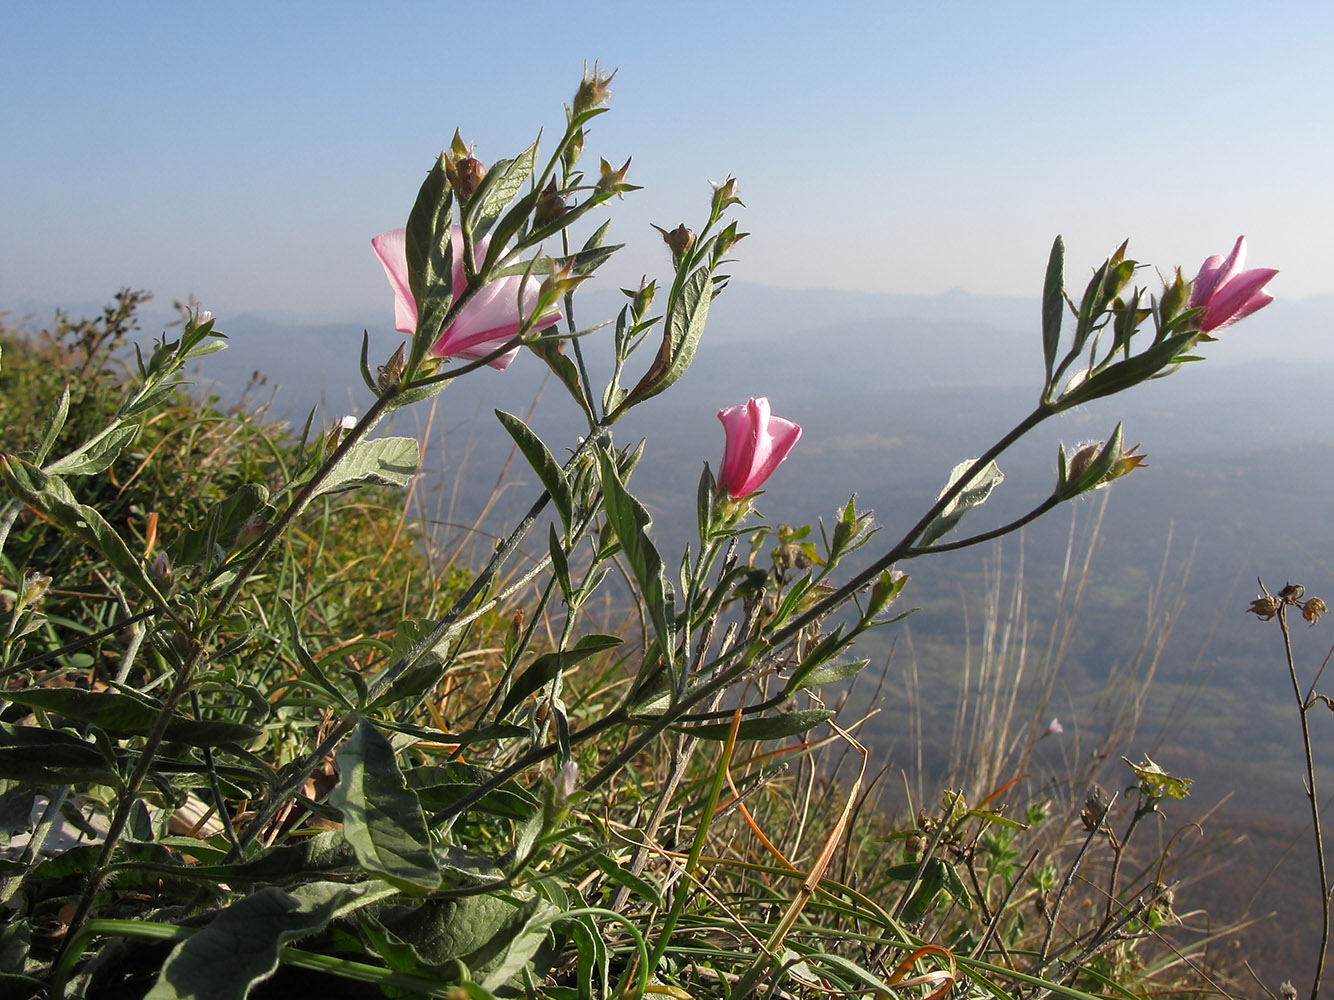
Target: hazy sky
247,152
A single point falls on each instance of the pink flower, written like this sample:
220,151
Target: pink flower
488,319
1228,293
1054,728
756,443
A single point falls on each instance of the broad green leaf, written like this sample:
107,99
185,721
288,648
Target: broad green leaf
382,818
240,946
774,727
974,494
388,461
495,936
50,496
539,457
545,667
124,715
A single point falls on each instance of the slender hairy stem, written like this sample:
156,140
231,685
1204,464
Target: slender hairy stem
1311,795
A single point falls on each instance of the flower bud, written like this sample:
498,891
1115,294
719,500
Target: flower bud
594,89
465,175
550,206
724,196
1264,607
679,240
642,298
612,181
1313,609
388,374
35,586
573,149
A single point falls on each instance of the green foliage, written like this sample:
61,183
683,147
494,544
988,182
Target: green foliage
302,737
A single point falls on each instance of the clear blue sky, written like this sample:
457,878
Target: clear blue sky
247,152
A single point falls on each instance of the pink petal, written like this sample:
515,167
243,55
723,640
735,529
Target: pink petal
391,248
739,446
757,442
1240,297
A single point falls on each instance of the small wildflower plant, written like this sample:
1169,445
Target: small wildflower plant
473,797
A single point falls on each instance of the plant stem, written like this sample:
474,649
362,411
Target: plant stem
1314,800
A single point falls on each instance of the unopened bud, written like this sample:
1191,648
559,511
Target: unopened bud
612,180
468,173
35,586
161,568
252,530
1313,609
573,149
550,207
594,89
567,779
388,374
724,196
642,298
1264,607
679,240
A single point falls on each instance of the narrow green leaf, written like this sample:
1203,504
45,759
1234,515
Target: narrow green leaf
53,425
972,495
549,472
560,566
686,315
552,352
307,661
390,461
830,674
240,947
124,715
49,757
430,257
50,496
774,727
503,181
624,877
382,818
630,522
546,666
1053,308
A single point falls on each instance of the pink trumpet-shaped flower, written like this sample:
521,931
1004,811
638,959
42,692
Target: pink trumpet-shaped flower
488,319
756,443
1226,292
